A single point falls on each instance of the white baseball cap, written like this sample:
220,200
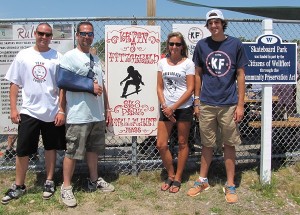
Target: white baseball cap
217,15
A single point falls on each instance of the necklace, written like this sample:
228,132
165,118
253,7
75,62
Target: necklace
175,61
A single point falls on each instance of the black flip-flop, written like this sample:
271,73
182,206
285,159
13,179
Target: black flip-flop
175,185
167,184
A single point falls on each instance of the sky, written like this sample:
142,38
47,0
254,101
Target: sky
12,9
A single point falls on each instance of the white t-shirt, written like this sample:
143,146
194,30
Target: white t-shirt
83,107
35,72
174,80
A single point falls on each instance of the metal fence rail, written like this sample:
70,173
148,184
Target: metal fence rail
133,154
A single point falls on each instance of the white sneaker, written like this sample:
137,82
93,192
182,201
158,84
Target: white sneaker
49,189
101,185
67,196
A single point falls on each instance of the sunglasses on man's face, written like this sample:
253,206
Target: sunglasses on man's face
83,34
41,34
176,44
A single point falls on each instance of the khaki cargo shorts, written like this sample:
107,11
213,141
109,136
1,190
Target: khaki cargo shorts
216,122
82,138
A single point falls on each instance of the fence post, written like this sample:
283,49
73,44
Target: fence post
134,156
266,128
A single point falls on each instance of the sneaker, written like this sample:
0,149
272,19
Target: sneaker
101,185
230,194
13,193
10,154
198,188
67,196
49,189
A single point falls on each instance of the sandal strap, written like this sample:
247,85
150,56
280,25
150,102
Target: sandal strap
175,187
176,184
169,182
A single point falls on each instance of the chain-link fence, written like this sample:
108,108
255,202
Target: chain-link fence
132,154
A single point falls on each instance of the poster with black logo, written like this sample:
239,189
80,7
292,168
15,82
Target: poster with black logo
132,54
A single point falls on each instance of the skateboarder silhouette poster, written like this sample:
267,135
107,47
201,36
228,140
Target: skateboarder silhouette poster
131,56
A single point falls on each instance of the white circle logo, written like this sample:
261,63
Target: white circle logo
195,34
39,72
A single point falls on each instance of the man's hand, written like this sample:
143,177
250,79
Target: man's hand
59,119
238,114
108,118
97,88
15,117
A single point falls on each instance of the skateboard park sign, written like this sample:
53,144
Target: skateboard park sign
271,61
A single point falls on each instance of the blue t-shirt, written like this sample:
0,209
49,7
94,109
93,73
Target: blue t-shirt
83,107
219,61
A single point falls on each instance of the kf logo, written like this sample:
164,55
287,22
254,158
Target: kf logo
195,34
217,63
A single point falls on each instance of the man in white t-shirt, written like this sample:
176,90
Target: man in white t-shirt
42,112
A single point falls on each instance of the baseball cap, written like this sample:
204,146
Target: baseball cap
217,15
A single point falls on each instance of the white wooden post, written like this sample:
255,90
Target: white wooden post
266,127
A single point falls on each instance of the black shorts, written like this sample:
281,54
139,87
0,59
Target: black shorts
29,131
184,114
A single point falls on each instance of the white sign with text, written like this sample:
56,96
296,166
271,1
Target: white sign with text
192,33
131,56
